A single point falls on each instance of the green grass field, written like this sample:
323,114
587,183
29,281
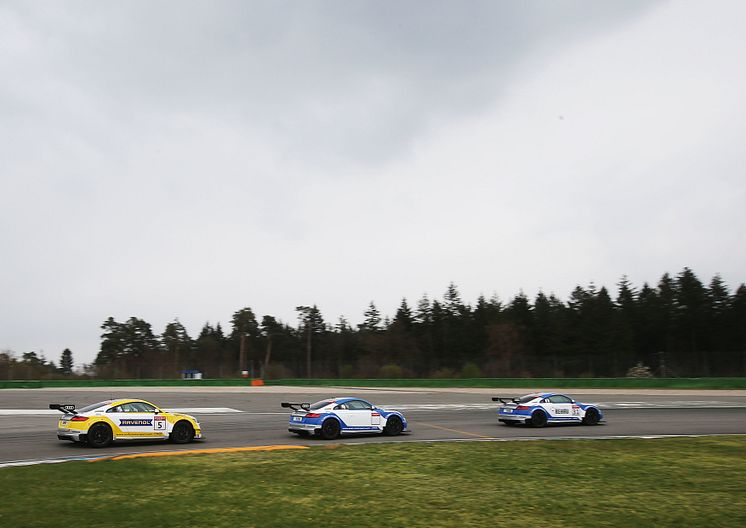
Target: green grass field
568,483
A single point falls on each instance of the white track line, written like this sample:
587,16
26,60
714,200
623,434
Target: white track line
185,410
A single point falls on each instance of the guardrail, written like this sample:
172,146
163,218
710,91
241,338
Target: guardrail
527,383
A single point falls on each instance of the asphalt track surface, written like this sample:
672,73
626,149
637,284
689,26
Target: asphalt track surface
252,416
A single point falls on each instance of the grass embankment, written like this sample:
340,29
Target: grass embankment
664,482
527,383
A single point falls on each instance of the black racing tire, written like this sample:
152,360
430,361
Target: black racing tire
592,417
182,433
394,426
538,418
99,435
330,429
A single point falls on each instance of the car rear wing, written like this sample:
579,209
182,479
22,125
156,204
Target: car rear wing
66,408
505,401
297,406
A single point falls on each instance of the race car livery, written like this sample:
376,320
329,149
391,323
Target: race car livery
101,423
336,416
539,409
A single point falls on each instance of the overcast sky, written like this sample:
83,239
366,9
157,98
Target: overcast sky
187,159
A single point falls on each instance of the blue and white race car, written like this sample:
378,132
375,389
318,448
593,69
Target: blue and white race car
539,409
335,416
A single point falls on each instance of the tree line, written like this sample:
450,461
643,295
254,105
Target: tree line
35,366
678,327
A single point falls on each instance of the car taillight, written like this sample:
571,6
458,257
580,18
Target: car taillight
78,418
522,408
312,415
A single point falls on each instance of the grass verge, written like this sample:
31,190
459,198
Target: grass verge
569,483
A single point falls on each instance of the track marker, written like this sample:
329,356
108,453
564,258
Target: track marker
215,450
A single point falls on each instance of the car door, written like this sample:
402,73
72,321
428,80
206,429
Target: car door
356,414
137,420
559,406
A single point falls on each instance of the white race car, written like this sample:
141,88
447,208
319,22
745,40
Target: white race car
539,409
330,418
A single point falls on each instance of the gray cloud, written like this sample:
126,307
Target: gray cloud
185,160
325,80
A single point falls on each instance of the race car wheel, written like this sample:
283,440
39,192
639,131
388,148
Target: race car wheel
182,433
538,418
591,417
99,435
394,426
330,429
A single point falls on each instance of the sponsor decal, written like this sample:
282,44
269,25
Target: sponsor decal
135,422
562,411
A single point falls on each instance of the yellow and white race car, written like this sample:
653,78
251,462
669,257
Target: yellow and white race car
125,419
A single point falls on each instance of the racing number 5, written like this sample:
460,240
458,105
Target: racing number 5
159,423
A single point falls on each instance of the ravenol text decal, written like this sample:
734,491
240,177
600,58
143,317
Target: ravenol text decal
134,422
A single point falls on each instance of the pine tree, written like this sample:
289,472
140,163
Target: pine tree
312,325
403,316
690,298
66,362
177,347
625,327
423,315
244,332
109,361
651,337
271,331
716,328
372,319
666,321
736,329
210,354
452,305
141,348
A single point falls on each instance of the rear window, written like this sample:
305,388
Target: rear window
319,404
91,407
527,398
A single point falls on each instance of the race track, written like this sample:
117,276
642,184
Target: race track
243,416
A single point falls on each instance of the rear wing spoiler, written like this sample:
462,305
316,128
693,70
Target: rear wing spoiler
66,408
296,406
505,401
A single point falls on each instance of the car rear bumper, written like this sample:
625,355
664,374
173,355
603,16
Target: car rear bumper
71,434
294,427
512,417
